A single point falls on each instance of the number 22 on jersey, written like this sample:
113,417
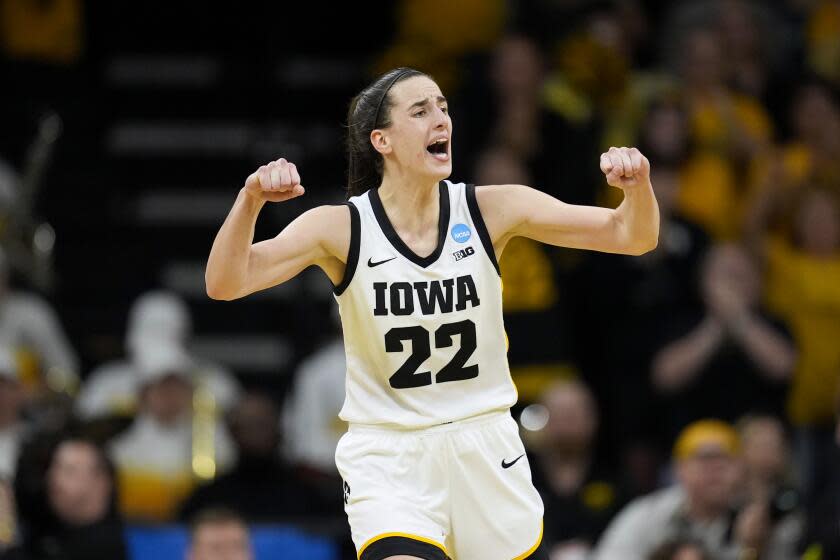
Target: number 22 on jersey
407,376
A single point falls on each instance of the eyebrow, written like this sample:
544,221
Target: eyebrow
423,102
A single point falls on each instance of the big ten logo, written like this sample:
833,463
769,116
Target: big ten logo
463,253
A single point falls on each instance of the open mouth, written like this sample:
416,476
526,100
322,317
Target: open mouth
439,149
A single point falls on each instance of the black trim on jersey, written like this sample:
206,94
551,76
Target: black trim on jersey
397,242
478,222
396,546
353,253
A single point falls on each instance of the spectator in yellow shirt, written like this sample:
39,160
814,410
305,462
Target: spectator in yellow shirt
727,133
803,269
804,287
823,35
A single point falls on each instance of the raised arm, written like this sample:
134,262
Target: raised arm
238,267
631,229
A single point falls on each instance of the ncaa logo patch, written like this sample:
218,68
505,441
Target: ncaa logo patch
461,233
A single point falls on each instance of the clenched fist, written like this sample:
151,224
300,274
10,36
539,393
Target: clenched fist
625,167
275,182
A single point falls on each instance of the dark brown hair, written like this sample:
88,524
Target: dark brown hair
369,110
215,516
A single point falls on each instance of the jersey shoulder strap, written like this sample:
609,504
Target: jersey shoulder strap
353,252
480,226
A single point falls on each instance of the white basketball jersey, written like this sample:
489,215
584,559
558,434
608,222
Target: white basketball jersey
424,336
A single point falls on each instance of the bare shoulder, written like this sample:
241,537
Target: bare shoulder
492,194
327,213
501,207
331,224
500,197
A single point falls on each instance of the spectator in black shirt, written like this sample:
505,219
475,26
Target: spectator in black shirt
728,359
822,532
67,500
580,492
261,487
653,286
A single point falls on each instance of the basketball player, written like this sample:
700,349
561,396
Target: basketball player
433,465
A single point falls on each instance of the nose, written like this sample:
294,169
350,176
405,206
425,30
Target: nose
440,119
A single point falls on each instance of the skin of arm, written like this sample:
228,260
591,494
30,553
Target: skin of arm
774,355
676,364
728,316
238,267
630,229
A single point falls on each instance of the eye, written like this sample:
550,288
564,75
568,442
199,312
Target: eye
420,113
445,109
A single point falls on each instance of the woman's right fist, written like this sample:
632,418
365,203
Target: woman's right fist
275,182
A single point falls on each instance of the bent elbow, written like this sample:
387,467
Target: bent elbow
214,293
651,245
218,292
639,249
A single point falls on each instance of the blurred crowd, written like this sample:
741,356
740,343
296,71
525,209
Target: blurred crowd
684,404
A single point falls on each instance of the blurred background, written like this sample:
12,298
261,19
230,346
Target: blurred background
682,404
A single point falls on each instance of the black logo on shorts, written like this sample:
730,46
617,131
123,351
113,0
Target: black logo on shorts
463,253
347,490
506,465
377,263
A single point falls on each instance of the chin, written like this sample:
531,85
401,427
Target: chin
440,171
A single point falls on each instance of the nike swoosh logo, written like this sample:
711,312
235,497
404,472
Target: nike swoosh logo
372,264
506,465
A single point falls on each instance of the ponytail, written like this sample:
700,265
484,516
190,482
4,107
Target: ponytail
369,110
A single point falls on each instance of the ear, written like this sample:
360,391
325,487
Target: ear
381,142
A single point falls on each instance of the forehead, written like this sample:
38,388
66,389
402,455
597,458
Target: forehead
221,529
74,451
416,88
570,395
709,451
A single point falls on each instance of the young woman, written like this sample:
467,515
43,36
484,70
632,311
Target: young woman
433,464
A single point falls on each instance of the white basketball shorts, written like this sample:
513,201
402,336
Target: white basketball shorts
460,490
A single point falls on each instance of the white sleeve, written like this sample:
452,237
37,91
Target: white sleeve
313,408
222,383
42,330
107,390
624,537
310,421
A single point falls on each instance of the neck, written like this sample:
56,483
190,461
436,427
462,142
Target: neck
704,513
412,204
568,454
566,472
257,462
760,487
403,187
